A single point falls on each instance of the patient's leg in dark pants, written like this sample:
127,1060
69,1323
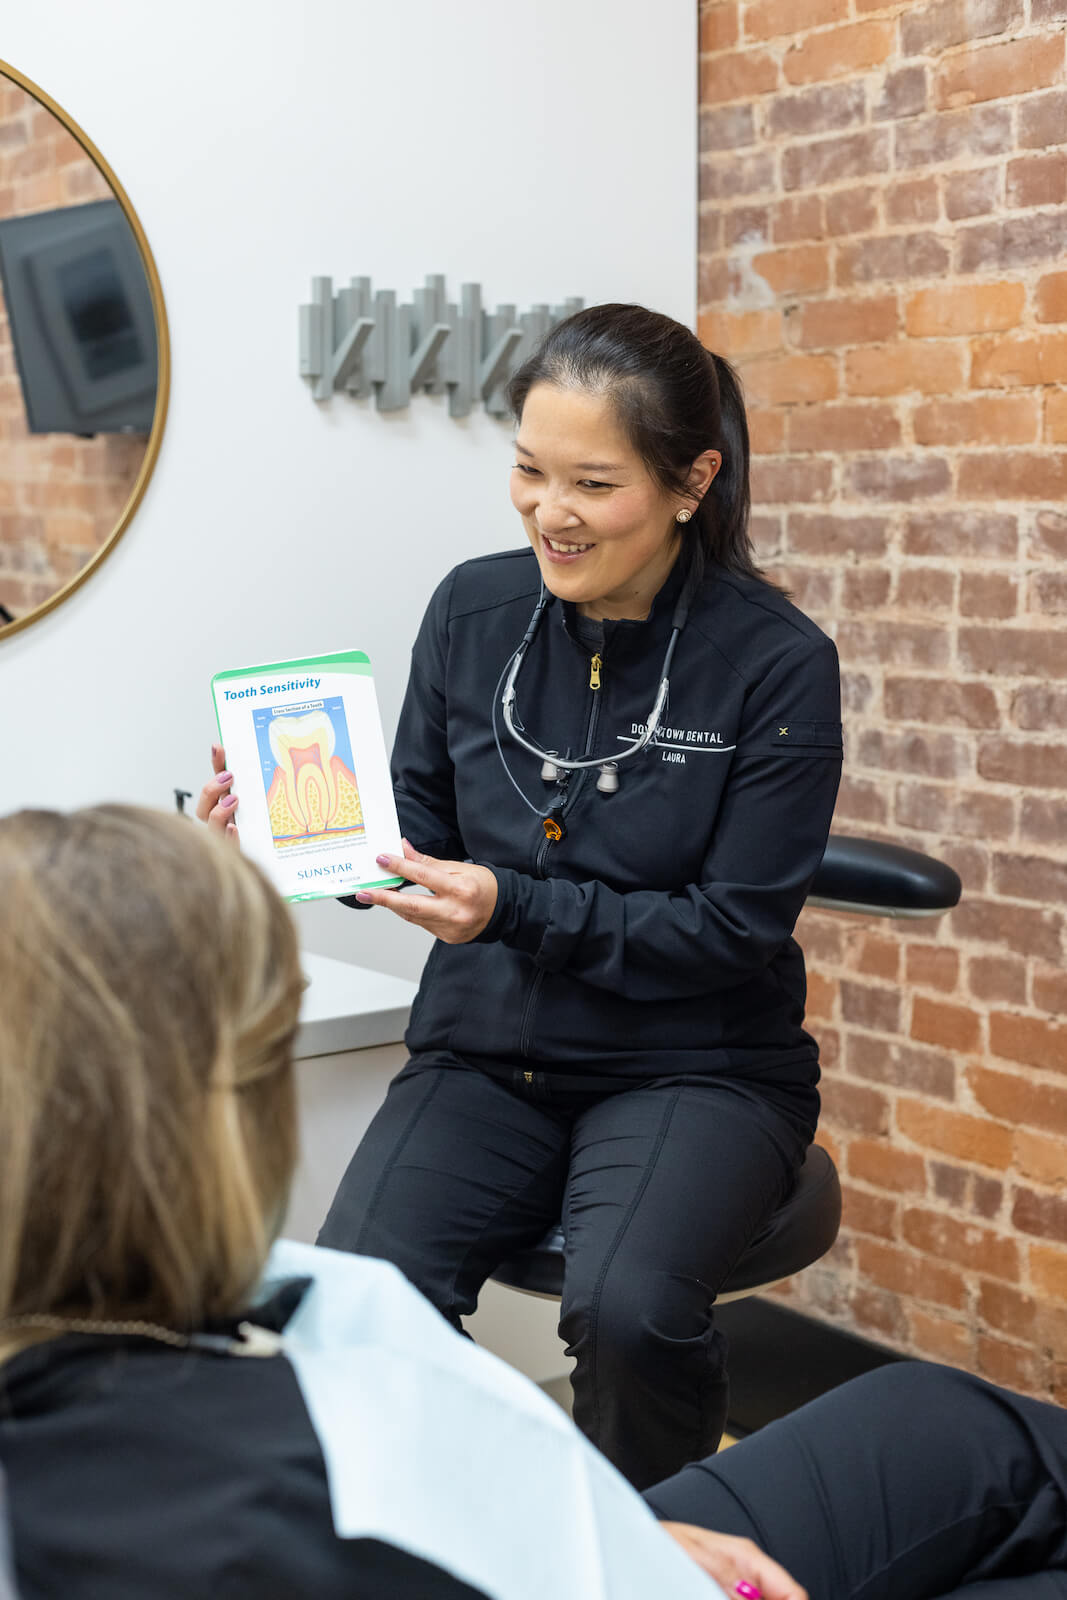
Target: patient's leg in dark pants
1040,1586
915,1482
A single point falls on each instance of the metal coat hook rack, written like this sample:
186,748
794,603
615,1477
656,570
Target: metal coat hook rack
364,344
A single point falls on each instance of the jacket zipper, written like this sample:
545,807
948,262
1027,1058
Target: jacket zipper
566,803
572,791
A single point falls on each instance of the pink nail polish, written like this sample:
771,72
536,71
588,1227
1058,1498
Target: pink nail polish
383,861
224,777
748,1591
230,800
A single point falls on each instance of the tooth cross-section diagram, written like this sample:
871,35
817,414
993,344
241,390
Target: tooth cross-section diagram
313,793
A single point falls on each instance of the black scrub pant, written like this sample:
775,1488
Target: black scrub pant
661,1185
915,1482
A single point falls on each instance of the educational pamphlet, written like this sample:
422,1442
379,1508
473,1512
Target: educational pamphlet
303,740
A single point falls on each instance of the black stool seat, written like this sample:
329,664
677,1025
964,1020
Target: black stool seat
798,1233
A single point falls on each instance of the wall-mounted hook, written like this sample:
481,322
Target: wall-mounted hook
461,357
424,360
354,305
429,313
367,344
395,393
493,372
346,357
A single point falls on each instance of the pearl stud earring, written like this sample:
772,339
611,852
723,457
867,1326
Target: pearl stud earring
683,515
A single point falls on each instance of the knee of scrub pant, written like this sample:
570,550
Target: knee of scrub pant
640,1326
650,1387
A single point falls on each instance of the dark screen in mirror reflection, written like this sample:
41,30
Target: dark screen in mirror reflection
80,318
78,357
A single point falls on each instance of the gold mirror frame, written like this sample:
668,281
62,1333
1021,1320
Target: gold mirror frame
159,417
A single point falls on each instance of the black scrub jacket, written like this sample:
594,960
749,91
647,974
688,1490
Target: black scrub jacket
138,1472
654,938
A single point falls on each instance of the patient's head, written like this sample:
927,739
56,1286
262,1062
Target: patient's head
149,989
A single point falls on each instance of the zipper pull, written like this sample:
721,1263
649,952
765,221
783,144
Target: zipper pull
553,824
594,672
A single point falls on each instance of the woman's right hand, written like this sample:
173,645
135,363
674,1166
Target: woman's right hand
217,806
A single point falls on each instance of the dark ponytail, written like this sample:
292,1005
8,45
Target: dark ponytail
673,399
729,492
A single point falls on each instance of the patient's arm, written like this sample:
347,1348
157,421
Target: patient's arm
730,1561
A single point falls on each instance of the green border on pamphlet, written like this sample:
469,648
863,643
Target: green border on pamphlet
354,661
324,894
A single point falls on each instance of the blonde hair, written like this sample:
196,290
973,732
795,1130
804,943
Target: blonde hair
149,991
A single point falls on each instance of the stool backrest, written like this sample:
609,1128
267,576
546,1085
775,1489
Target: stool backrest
885,880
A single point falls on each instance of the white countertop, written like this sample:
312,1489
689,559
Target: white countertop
350,1008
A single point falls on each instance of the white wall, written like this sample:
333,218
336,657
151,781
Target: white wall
540,147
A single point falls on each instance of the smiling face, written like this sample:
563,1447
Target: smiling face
601,527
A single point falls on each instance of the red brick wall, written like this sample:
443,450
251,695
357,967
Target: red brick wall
60,496
883,241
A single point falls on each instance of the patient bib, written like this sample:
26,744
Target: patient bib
439,1448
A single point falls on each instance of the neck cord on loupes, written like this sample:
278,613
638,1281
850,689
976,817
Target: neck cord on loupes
553,765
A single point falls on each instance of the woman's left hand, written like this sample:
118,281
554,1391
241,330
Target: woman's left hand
461,901
731,1561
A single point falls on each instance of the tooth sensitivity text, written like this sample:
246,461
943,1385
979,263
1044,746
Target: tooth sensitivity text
255,690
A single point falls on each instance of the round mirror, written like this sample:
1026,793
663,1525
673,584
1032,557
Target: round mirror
84,355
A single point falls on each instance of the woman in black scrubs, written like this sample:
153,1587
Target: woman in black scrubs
611,1023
